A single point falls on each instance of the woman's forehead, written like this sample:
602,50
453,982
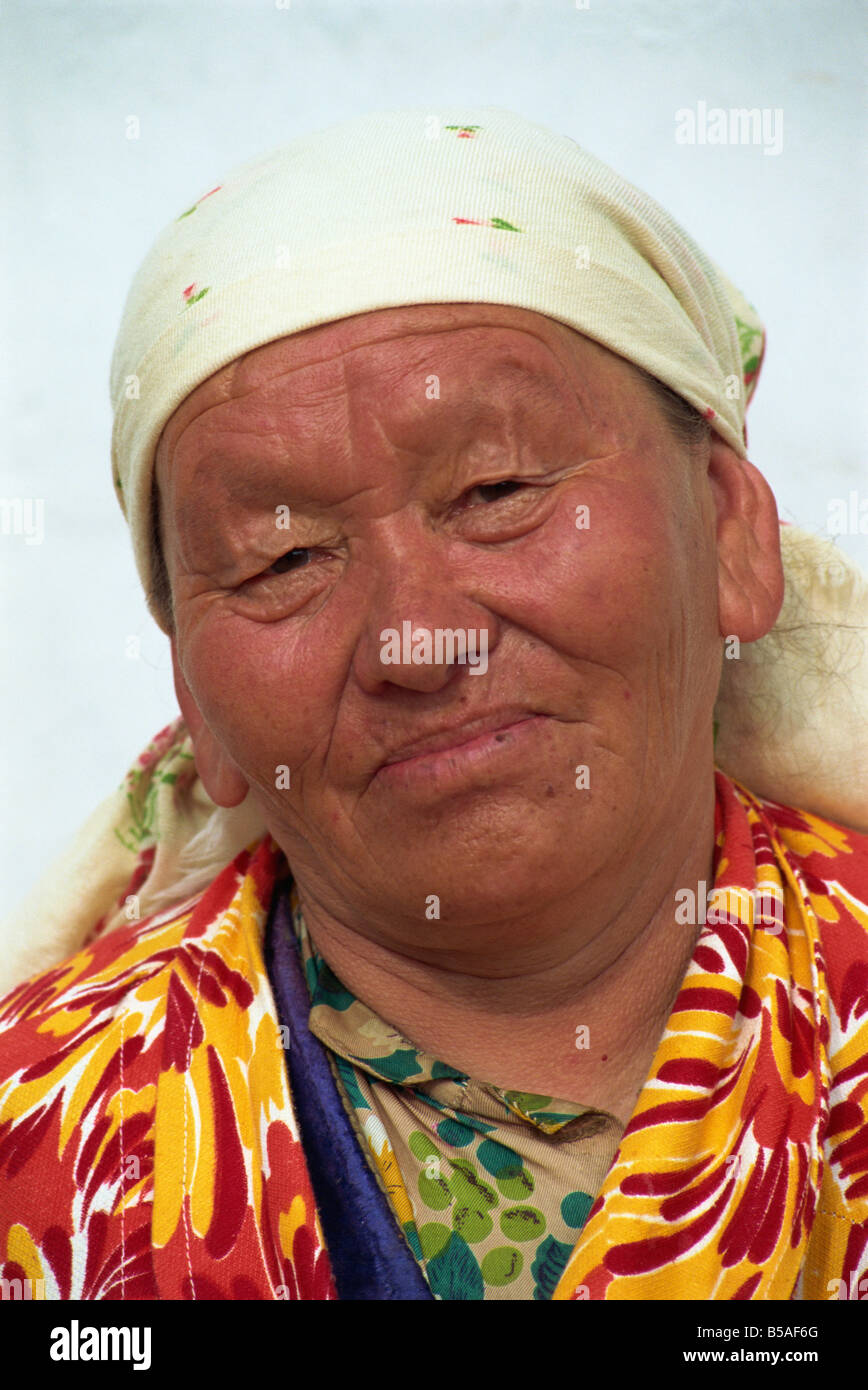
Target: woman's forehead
345,337
522,339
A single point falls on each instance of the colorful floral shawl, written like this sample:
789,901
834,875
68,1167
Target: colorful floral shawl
150,1144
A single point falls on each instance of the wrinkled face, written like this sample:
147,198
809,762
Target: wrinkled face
334,496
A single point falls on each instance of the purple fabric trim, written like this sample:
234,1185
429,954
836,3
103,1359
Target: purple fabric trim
369,1253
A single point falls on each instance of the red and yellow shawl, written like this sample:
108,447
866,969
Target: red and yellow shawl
149,1147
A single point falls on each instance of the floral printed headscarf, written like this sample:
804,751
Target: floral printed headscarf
403,207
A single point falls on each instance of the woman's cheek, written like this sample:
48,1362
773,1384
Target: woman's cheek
230,678
595,577
285,695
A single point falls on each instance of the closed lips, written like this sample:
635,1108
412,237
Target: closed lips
459,733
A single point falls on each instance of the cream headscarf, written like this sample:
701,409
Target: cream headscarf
405,207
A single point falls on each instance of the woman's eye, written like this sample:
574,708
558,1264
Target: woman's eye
493,492
292,560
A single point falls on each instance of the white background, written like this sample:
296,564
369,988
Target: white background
215,83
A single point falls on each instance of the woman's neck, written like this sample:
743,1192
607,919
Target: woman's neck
578,1021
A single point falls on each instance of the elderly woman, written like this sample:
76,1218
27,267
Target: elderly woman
454,966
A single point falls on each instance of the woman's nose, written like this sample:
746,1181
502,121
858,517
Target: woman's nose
420,628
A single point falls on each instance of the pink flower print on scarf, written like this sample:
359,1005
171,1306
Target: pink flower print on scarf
499,223
190,295
751,341
197,202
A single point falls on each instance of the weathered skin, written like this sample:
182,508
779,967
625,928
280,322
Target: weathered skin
556,903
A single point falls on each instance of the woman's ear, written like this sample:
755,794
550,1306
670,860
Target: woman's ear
749,568
220,777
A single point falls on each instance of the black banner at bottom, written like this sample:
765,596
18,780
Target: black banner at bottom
242,1341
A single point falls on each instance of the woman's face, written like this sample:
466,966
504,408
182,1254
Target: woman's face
450,467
